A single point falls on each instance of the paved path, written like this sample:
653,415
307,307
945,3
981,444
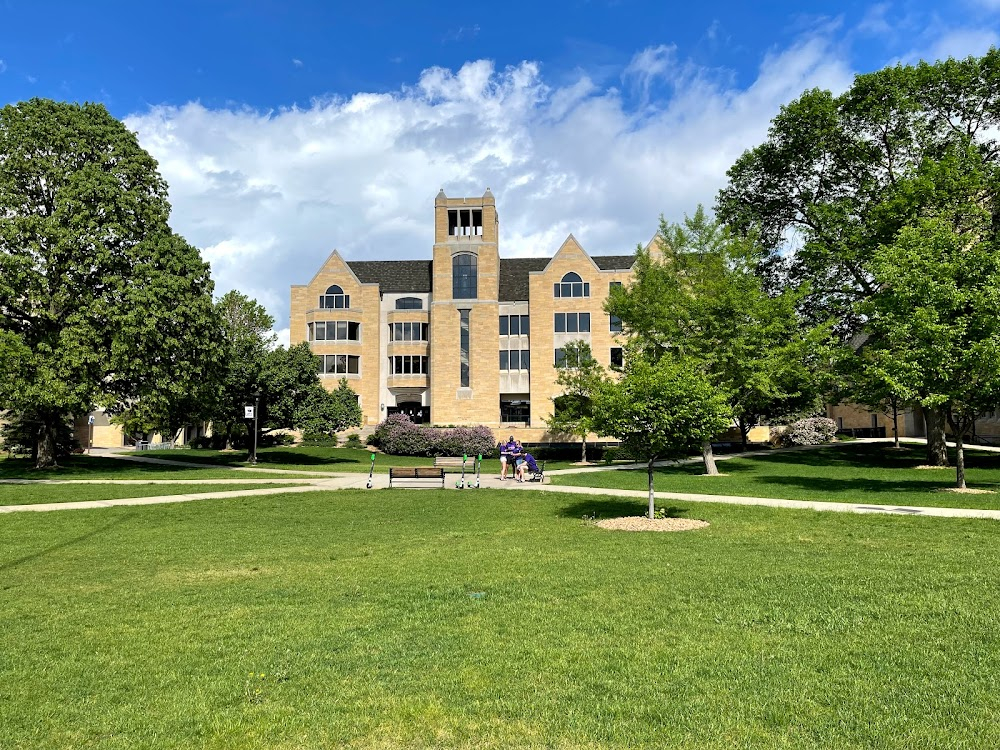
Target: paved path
331,481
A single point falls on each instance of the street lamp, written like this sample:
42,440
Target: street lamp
256,412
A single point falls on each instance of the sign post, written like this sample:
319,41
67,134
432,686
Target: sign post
250,412
90,433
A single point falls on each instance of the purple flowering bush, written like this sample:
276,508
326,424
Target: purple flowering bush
398,436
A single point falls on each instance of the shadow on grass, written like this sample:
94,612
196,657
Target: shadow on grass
274,456
615,507
832,486
79,466
63,545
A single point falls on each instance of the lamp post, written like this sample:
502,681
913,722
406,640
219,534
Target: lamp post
256,412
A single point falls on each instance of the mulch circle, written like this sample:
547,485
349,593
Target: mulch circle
641,523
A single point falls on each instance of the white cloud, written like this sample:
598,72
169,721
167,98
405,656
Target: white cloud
297,62
959,43
3,67
268,195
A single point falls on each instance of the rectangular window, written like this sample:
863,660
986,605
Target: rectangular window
504,362
320,331
525,359
408,364
616,357
463,348
525,329
515,359
515,325
504,328
616,324
560,357
335,301
465,222
572,323
335,330
408,332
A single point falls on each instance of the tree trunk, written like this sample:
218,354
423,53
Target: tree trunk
959,461
709,458
45,457
744,431
583,450
937,448
652,502
895,424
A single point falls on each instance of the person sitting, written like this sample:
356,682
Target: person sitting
528,463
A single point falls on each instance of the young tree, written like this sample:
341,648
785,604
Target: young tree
936,311
660,410
834,174
578,375
100,304
325,412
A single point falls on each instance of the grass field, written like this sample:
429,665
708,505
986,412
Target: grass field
395,619
32,494
319,458
852,473
99,467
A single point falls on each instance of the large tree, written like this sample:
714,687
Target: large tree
705,299
577,375
662,409
100,303
935,312
835,177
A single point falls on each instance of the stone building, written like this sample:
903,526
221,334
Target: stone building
467,337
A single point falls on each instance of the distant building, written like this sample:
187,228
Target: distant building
466,337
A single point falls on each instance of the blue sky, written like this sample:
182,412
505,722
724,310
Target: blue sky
288,129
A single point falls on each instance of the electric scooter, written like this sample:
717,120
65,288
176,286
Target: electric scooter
371,472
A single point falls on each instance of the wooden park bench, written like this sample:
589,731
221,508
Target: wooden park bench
449,462
416,473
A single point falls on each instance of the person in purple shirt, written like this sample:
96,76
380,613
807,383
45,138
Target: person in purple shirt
528,462
507,451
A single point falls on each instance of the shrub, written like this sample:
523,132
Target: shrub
354,441
398,436
812,431
269,439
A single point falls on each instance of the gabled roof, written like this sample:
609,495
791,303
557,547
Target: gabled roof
394,276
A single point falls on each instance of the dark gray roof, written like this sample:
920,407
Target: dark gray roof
394,276
514,272
399,276
514,277
614,262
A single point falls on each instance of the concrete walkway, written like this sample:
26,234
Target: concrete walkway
310,482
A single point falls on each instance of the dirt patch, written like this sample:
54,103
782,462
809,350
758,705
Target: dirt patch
928,466
966,490
641,523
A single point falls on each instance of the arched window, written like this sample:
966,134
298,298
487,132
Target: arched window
571,286
335,299
464,276
409,303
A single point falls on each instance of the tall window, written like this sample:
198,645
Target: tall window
571,286
616,324
409,303
572,322
335,299
463,348
464,276
617,360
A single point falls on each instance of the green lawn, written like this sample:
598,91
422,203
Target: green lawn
32,494
320,458
100,467
853,473
403,619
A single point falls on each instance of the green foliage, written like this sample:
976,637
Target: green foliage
578,376
935,313
665,409
99,302
326,413
706,299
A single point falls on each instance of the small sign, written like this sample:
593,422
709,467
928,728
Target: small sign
248,412
90,419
